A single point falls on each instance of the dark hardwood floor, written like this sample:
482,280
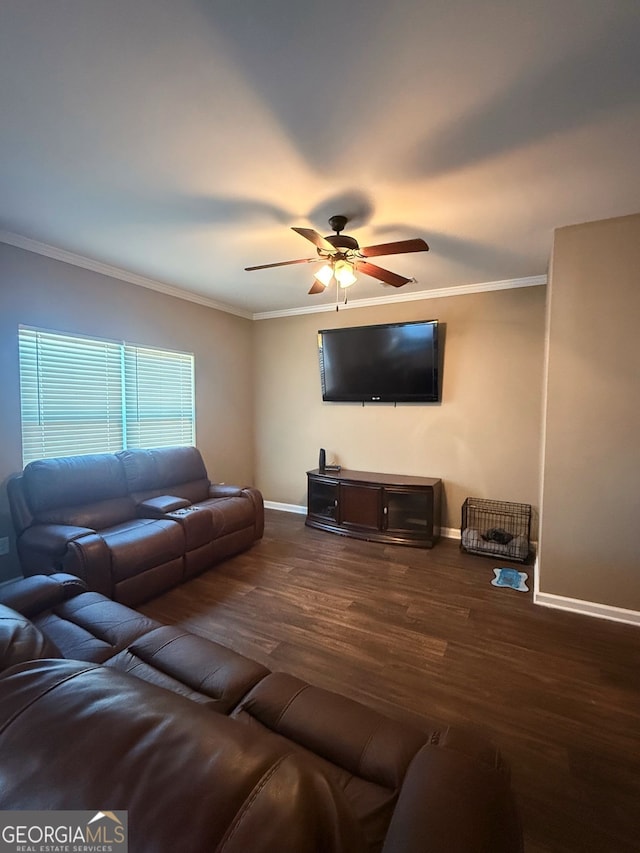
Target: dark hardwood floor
424,636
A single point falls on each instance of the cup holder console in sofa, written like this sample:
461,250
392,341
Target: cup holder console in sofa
130,524
101,706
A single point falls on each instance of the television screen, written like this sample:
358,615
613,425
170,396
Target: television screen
391,363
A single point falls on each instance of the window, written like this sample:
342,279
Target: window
82,395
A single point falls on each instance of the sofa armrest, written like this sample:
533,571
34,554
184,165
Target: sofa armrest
52,539
89,558
222,490
42,547
158,507
453,803
20,512
255,496
47,549
37,593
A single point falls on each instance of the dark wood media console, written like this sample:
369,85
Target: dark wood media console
390,508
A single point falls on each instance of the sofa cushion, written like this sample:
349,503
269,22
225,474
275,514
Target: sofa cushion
227,514
94,516
73,481
339,729
20,640
141,544
156,471
91,627
209,521
83,491
197,525
362,752
197,668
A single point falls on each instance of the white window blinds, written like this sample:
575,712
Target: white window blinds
80,395
159,404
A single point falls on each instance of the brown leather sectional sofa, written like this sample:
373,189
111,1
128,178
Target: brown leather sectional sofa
102,707
130,524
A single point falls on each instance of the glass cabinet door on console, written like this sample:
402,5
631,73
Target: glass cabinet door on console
409,512
322,499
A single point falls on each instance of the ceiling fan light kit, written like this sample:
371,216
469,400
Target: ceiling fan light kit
324,275
343,257
343,272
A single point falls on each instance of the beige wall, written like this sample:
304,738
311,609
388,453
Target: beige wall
38,291
261,419
482,440
590,548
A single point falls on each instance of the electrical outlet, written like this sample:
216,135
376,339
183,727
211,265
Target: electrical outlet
4,545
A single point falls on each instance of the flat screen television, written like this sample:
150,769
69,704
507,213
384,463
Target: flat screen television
390,363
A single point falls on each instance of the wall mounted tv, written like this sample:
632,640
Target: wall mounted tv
390,363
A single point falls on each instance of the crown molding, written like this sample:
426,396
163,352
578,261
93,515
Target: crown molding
76,260
436,293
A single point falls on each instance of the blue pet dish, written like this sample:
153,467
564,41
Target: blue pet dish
511,578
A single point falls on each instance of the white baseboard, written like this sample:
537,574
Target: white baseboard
587,608
300,510
450,533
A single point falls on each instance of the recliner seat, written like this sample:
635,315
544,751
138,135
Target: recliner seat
216,518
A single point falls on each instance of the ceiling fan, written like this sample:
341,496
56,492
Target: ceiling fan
343,257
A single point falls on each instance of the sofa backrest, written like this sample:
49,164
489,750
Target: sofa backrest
191,779
86,491
178,471
99,490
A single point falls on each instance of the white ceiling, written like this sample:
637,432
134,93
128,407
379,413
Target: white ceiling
180,139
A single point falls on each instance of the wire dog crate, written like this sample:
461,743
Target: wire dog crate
496,528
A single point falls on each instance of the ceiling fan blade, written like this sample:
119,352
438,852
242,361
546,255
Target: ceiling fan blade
282,264
317,286
315,238
382,275
399,248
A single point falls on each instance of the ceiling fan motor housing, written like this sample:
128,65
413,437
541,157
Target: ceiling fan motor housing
338,222
341,241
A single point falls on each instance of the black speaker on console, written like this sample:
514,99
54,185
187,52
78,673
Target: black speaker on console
322,460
